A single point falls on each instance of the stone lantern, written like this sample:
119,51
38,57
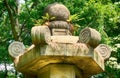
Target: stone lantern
56,53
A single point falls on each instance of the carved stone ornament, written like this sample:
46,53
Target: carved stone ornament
104,50
59,24
59,11
90,36
55,48
16,48
40,35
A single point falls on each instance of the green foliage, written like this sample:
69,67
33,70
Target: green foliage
44,19
73,18
47,17
39,22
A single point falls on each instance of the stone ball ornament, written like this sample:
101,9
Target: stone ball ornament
16,48
59,11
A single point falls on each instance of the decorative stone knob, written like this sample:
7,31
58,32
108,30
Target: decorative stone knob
59,11
16,48
59,25
104,50
40,35
90,36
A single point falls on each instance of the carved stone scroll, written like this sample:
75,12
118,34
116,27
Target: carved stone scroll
90,36
40,35
59,11
104,50
16,48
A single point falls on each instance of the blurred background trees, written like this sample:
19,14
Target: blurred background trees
17,17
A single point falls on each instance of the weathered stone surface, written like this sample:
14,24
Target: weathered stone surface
59,25
16,48
40,35
86,64
90,36
64,39
59,71
99,59
59,11
60,32
104,50
68,49
37,58
56,54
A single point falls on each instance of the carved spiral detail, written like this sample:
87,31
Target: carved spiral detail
85,36
104,50
16,48
40,35
90,36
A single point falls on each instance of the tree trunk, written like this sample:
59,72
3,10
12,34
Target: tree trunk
12,21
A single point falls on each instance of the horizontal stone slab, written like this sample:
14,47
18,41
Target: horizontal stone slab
65,39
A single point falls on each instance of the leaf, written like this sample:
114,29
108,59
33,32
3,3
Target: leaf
74,18
52,18
39,22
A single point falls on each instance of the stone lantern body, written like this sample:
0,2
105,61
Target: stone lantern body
56,53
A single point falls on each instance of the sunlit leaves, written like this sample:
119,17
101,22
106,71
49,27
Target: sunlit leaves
39,22
47,17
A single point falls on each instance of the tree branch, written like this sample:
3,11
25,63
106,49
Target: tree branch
22,27
13,24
